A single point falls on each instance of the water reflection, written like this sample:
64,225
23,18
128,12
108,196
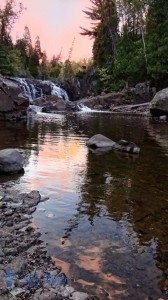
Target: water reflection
106,220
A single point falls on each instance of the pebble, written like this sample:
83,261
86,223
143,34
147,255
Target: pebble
16,292
79,296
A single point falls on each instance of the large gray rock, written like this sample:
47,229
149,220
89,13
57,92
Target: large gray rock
11,161
159,104
100,141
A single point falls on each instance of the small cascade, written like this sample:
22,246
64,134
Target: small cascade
84,108
34,109
28,89
33,89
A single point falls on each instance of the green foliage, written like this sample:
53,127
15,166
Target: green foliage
138,51
104,31
4,62
129,65
34,64
67,70
55,67
15,63
157,42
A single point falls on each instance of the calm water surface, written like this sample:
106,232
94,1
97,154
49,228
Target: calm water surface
106,220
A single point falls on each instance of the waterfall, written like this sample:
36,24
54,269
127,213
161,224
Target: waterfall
33,89
56,90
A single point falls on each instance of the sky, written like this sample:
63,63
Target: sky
57,22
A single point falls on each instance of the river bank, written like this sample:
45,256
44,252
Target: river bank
26,271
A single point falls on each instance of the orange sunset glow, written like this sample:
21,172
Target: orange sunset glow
57,23
62,158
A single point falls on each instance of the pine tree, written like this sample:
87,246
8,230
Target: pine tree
28,46
157,42
104,30
44,67
37,47
21,46
55,66
34,64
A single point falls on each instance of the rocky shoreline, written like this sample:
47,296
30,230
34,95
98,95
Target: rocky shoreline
26,271
22,97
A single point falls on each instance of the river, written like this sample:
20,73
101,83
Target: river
106,220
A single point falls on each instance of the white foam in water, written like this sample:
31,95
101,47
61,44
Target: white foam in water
85,108
34,109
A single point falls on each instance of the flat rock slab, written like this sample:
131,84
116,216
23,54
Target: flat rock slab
11,161
100,141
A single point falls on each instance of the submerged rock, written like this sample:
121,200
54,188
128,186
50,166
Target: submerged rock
11,161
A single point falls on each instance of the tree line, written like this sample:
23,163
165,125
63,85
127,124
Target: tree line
130,42
22,58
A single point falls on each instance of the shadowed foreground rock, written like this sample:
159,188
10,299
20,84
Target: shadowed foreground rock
101,141
11,161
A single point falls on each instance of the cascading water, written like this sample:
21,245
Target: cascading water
84,108
34,89
28,90
56,90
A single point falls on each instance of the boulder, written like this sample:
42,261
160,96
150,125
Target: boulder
125,146
100,141
141,93
12,102
159,104
11,161
51,103
71,106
